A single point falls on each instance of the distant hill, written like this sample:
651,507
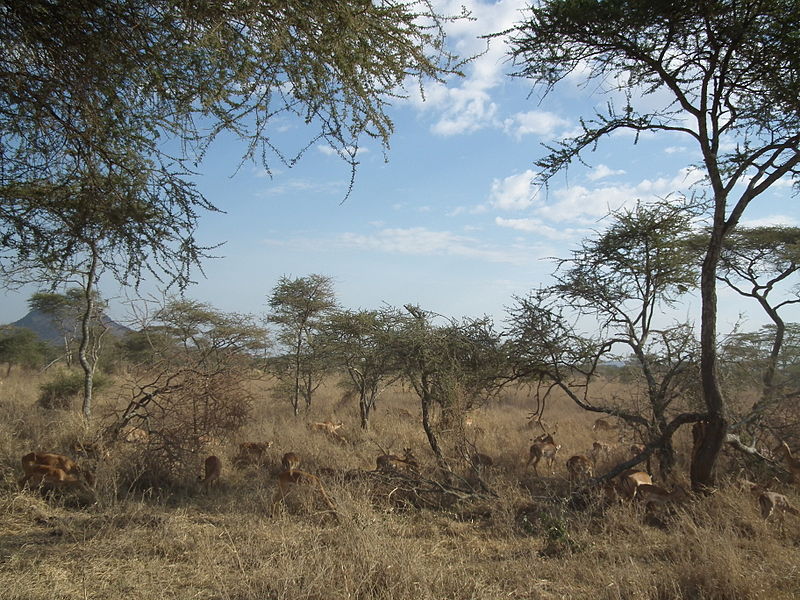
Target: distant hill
44,326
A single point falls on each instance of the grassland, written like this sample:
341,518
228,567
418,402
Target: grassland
526,543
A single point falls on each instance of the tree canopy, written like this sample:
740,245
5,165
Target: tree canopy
724,74
107,108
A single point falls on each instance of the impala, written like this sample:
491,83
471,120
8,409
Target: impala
481,461
544,447
290,461
251,453
37,475
326,426
656,495
603,425
628,482
579,467
636,449
771,501
290,478
58,461
213,469
602,450
393,463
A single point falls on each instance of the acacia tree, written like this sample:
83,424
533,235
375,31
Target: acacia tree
299,308
107,109
63,312
361,342
762,264
452,367
721,74
21,346
623,279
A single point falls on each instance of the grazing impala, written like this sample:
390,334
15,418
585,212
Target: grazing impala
579,467
544,447
58,461
288,479
628,482
772,501
213,469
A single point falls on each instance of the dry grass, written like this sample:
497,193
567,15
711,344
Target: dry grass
225,545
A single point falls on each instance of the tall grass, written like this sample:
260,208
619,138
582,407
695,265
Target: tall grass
526,543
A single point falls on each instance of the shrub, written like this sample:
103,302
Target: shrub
65,387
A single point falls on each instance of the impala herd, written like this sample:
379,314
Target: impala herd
51,471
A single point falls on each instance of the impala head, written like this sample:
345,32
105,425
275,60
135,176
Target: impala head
290,461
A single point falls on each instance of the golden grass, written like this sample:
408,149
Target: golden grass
224,545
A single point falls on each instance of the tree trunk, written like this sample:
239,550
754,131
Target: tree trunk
709,444
86,364
363,407
429,432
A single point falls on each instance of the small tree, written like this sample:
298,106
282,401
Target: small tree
452,367
22,347
361,343
760,263
299,309
78,309
745,358
193,383
622,279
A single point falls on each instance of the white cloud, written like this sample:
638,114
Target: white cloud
676,150
581,205
771,221
515,192
465,105
602,171
585,205
302,186
423,242
534,225
534,122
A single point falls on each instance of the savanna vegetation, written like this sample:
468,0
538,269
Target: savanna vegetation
592,445
136,535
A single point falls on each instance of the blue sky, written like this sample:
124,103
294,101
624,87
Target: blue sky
451,222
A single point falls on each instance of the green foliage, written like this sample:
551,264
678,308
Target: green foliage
106,110
21,346
300,308
361,343
61,391
745,356
188,333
